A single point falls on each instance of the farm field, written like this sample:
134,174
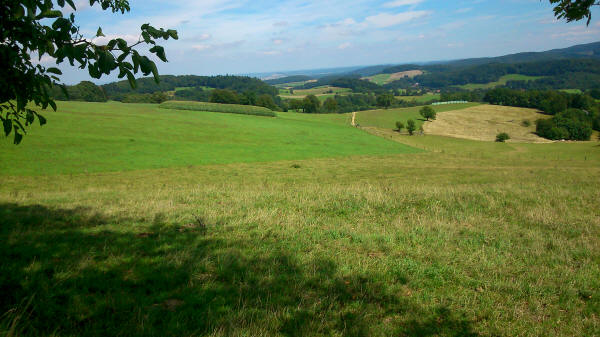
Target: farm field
366,235
502,81
99,137
387,118
484,122
318,91
420,99
382,79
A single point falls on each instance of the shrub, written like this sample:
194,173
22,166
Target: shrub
526,123
411,127
573,124
502,137
399,126
215,107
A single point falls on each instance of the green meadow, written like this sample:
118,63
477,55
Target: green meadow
92,137
131,220
502,81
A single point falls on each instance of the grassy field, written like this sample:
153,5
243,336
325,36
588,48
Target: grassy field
420,99
501,81
387,118
216,107
379,79
318,91
88,137
465,238
484,122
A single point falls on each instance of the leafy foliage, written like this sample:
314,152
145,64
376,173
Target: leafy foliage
311,104
502,137
573,124
411,126
574,10
39,27
216,107
428,113
399,126
84,91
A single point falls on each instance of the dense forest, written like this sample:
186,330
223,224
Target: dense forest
240,84
557,74
289,79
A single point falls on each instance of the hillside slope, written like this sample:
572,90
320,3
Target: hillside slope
484,122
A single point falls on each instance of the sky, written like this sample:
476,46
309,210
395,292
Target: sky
270,36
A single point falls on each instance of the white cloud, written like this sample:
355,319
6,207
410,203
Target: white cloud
388,20
400,3
345,45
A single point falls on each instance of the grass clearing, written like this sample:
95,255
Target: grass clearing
502,81
422,98
387,118
324,91
101,137
465,238
216,107
484,122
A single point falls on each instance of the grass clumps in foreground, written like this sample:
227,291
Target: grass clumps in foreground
446,245
216,107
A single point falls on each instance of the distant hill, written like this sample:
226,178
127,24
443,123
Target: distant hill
590,50
289,79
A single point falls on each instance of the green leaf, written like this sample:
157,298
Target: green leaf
61,3
20,12
18,138
72,4
49,14
42,119
160,52
54,71
7,123
53,105
99,33
155,73
173,34
131,79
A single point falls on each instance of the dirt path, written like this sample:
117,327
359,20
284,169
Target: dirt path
354,118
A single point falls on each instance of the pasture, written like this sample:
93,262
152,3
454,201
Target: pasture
93,137
387,118
132,220
502,81
321,92
484,122
421,98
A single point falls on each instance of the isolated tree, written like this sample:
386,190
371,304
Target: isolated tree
330,105
574,10
311,104
399,126
411,127
428,113
38,28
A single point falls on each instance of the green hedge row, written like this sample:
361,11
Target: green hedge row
216,107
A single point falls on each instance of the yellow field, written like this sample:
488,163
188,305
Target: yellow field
484,122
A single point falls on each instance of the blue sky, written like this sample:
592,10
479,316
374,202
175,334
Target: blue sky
233,37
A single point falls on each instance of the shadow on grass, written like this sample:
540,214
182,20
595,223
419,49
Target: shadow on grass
65,272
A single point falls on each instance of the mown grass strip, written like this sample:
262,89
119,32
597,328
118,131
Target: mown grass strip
216,107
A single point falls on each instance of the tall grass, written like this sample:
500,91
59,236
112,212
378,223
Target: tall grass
215,107
467,239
